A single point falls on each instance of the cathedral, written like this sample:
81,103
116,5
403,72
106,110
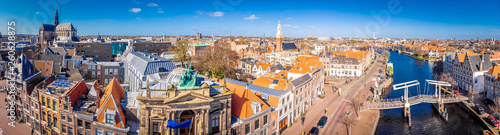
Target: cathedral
49,33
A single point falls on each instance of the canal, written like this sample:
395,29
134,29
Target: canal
425,120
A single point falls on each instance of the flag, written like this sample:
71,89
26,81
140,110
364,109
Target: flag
175,125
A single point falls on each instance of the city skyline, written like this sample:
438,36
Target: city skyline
388,19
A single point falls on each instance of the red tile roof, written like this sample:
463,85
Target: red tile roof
113,94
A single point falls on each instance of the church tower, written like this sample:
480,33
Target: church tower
279,39
56,19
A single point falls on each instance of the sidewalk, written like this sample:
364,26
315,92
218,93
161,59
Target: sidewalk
20,129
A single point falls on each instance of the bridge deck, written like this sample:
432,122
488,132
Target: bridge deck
398,102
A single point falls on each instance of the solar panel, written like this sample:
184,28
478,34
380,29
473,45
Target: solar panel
275,81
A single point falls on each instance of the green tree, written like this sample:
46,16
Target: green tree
181,52
221,62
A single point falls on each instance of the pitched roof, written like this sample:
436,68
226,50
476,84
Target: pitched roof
44,66
476,60
289,46
28,69
278,84
255,88
111,100
147,63
241,103
74,93
95,93
71,51
495,70
47,27
297,82
66,26
306,64
461,57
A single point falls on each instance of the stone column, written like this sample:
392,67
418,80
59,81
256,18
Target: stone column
206,122
165,122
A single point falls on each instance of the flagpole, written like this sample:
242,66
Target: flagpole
190,126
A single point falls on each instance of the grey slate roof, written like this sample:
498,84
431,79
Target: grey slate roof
47,27
288,46
477,59
57,59
147,63
344,60
301,80
57,50
255,88
66,26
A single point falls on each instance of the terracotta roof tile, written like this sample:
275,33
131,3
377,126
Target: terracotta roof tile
113,94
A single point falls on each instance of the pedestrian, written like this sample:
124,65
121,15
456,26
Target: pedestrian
326,109
32,131
303,118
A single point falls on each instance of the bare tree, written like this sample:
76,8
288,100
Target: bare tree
221,62
348,121
386,54
356,104
447,78
181,52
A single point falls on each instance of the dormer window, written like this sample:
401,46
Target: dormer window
256,106
110,116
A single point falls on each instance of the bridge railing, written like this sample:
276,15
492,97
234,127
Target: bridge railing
381,105
391,100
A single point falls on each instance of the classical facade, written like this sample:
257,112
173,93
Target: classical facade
207,105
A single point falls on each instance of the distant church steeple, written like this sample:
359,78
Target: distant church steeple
56,19
279,39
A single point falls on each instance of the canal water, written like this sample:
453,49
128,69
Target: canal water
425,120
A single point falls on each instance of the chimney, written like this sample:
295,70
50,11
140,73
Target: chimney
481,63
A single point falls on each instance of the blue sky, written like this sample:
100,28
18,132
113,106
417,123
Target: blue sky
443,19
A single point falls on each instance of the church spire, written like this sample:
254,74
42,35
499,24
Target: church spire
56,19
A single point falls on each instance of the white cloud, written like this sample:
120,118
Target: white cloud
138,18
212,14
252,17
266,22
200,12
290,26
152,4
195,16
312,26
135,10
216,14
289,18
37,12
160,11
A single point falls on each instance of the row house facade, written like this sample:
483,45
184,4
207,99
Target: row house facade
492,84
102,72
468,71
280,102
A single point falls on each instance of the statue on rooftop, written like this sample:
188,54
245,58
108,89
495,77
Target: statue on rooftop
188,79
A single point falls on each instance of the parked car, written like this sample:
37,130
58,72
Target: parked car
480,110
488,102
493,120
313,131
322,121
